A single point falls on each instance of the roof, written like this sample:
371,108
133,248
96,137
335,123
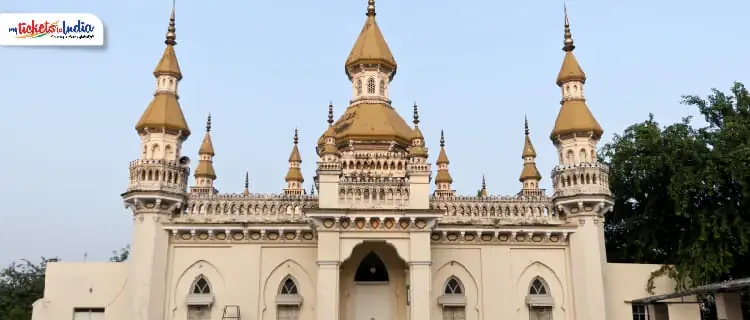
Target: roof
370,47
164,112
575,116
726,286
372,121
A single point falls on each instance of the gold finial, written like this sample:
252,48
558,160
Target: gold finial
296,136
568,36
330,113
208,123
171,37
370,8
442,139
416,115
526,124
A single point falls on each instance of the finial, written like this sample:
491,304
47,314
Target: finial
370,8
416,115
296,136
171,37
568,36
330,113
484,183
442,139
312,190
247,180
526,124
208,123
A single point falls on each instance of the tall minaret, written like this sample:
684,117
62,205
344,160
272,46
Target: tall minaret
205,175
443,180
294,177
529,175
581,188
417,150
158,182
483,191
418,169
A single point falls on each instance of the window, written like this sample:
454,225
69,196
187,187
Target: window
201,287
640,312
371,86
538,288
88,314
453,287
289,287
454,313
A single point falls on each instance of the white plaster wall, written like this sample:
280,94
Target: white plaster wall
626,282
247,275
496,279
70,285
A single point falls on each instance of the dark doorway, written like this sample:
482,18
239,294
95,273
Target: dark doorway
371,269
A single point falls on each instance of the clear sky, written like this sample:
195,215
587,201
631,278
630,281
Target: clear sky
263,67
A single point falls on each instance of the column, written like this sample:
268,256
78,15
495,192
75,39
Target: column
420,275
587,261
728,306
328,276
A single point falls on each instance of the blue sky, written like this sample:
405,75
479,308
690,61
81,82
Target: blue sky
263,67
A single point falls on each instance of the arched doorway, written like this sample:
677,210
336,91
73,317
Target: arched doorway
373,284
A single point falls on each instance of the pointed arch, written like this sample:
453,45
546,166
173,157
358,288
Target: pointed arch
469,299
288,286
182,289
371,269
530,278
273,301
200,286
539,287
453,286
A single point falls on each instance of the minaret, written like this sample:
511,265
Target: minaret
443,180
205,175
581,187
418,152
329,153
529,175
246,192
294,177
158,183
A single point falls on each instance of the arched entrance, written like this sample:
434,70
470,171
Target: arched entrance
373,284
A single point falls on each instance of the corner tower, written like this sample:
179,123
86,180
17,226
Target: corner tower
158,182
581,187
380,161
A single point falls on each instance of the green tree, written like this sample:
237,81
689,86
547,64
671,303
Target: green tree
120,256
682,194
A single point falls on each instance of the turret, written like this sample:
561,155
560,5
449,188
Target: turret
158,183
205,175
529,175
581,187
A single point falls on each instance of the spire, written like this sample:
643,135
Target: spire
330,113
246,192
164,111
206,153
443,179
442,157
370,47
483,192
574,115
294,177
529,172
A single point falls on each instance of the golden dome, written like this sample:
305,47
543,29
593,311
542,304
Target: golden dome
370,47
372,121
574,117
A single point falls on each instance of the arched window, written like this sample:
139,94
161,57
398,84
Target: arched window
288,300
453,300
453,287
200,299
371,86
371,269
289,287
538,288
583,155
201,287
539,300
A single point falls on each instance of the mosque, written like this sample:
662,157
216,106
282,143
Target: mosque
371,241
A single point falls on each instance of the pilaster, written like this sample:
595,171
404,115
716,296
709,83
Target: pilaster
420,276
588,259
328,275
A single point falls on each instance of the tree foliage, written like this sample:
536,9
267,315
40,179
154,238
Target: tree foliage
21,284
682,193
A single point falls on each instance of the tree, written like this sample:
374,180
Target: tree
682,194
121,256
